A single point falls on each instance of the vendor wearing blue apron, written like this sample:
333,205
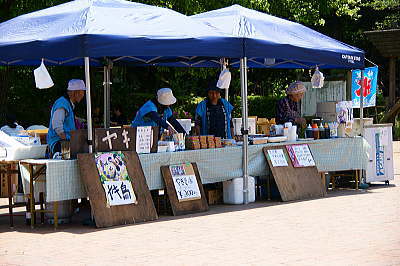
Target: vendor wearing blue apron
214,115
157,112
62,120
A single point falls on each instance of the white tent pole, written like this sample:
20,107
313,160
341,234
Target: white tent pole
362,103
245,128
88,105
107,94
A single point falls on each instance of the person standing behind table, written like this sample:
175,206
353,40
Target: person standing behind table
214,115
157,112
288,109
12,128
118,118
62,120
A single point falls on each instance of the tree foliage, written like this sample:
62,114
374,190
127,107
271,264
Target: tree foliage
345,20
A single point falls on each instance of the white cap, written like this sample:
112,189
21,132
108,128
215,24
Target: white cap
76,85
165,96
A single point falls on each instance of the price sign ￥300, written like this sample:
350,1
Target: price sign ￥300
186,185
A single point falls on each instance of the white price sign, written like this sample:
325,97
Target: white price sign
303,155
144,138
277,158
186,187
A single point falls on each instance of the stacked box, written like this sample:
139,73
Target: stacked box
263,126
218,142
193,143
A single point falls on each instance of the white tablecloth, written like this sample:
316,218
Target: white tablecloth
215,165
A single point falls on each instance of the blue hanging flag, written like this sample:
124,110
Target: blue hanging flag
369,82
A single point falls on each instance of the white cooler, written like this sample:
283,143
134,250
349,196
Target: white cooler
233,190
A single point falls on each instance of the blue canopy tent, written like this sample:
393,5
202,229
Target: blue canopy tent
271,42
83,30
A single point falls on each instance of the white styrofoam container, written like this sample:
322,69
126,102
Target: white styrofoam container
237,124
25,152
233,190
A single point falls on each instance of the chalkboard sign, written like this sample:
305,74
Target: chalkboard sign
184,188
300,155
185,182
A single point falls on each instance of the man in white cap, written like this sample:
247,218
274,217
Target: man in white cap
62,120
287,109
157,112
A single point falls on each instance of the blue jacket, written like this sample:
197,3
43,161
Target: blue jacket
140,119
69,121
201,111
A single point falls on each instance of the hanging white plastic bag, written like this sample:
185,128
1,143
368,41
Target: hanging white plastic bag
317,80
224,79
42,77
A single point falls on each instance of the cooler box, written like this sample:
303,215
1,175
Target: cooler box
233,190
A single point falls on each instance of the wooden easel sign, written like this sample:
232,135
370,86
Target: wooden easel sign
116,187
184,188
295,177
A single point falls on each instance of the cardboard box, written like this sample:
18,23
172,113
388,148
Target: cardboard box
214,196
4,183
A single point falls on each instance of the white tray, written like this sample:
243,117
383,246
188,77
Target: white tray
277,139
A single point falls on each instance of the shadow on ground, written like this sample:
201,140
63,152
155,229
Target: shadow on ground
76,226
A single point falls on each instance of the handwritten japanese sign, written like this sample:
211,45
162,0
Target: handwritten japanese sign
379,155
115,179
185,182
144,138
277,158
300,155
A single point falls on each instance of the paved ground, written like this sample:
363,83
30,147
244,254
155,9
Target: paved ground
346,228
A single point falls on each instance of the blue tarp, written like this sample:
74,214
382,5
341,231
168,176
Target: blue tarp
65,33
269,41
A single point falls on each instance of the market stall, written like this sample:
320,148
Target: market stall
161,40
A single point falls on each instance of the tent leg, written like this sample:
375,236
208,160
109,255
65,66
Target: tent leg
107,94
88,105
245,128
361,178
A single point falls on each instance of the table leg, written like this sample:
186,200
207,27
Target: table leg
32,196
55,206
323,181
10,192
41,199
333,181
356,179
269,187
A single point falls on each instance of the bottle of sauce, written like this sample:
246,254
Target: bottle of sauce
315,131
321,131
309,132
327,131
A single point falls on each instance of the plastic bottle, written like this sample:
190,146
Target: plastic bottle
327,131
309,132
321,131
315,131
